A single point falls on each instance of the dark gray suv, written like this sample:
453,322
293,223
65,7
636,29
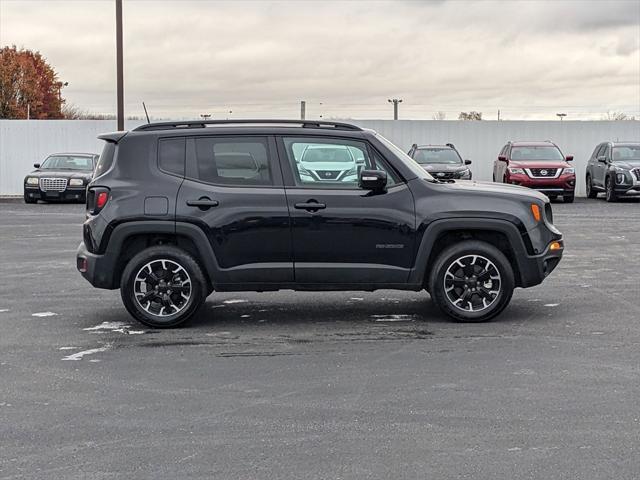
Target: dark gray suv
614,168
179,210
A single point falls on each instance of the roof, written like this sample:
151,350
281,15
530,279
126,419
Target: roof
544,143
77,154
310,124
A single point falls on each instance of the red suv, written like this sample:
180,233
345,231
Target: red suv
537,165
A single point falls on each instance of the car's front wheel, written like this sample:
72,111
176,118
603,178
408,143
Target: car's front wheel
591,193
610,193
569,198
28,199
471,281
163,286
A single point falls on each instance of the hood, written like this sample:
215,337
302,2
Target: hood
629,164
87,175
497,189
334,166
443,167
540,164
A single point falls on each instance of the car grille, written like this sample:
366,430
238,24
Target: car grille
636,172
327,174
445,175
53,184
543,172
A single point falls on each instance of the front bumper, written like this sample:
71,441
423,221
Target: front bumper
69,194
534,269
563,185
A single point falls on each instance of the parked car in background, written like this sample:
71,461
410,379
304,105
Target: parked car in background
442,161
614,168
61,176
169,232
327,163
537,165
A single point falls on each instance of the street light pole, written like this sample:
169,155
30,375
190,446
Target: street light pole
561,115
395,102
119,67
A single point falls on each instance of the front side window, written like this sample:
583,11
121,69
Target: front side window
331,163
428,156
536,153
68,162
233,161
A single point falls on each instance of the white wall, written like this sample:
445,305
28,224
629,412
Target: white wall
24,142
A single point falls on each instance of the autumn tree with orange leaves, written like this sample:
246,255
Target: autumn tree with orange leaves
28,83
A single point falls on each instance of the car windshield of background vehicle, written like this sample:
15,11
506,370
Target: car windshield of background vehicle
537,154
68,162
406,159
427,156
626,153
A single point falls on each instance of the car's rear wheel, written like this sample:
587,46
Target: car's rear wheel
472,281
163,286
591,193
610,193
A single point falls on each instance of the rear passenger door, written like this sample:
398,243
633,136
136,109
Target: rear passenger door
233,190
341,234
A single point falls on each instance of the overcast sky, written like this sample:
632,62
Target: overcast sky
531,59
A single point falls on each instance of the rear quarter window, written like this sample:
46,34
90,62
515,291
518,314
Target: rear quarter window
105,160
171,155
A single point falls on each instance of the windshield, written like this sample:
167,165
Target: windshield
437,155
626,153
68,162
533,153
327,154
406,159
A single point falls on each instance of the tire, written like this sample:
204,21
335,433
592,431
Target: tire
29,200
569,198
491,261
553,197
610,193
591,193
183,276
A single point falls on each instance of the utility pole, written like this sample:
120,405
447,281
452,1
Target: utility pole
395,102
119,67
561,115
303,109
205,116
498,114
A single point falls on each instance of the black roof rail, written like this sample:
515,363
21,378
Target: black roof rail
450,145
203,124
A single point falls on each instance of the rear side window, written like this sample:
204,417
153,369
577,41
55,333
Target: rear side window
106,159
171,155
233,160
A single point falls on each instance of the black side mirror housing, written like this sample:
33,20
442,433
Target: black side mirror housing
36,165
374,180
467,162
602,159
502,158
569,158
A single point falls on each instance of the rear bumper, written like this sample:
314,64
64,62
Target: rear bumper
98,270
70,194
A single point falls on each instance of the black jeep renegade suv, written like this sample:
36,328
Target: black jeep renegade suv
178,210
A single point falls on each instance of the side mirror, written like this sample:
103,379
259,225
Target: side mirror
502,158
374,180
569,158
36,165
467,162
602,159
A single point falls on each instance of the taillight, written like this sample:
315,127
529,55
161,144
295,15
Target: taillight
97,198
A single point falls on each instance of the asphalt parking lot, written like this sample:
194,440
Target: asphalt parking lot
321,385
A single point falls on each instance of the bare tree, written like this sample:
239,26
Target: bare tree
616,116
439,115
470,115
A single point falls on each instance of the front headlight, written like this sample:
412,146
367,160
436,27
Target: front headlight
620,177
518,171
569,170
466,173
76,182
32,181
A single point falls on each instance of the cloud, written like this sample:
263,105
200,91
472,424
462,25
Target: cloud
345,58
